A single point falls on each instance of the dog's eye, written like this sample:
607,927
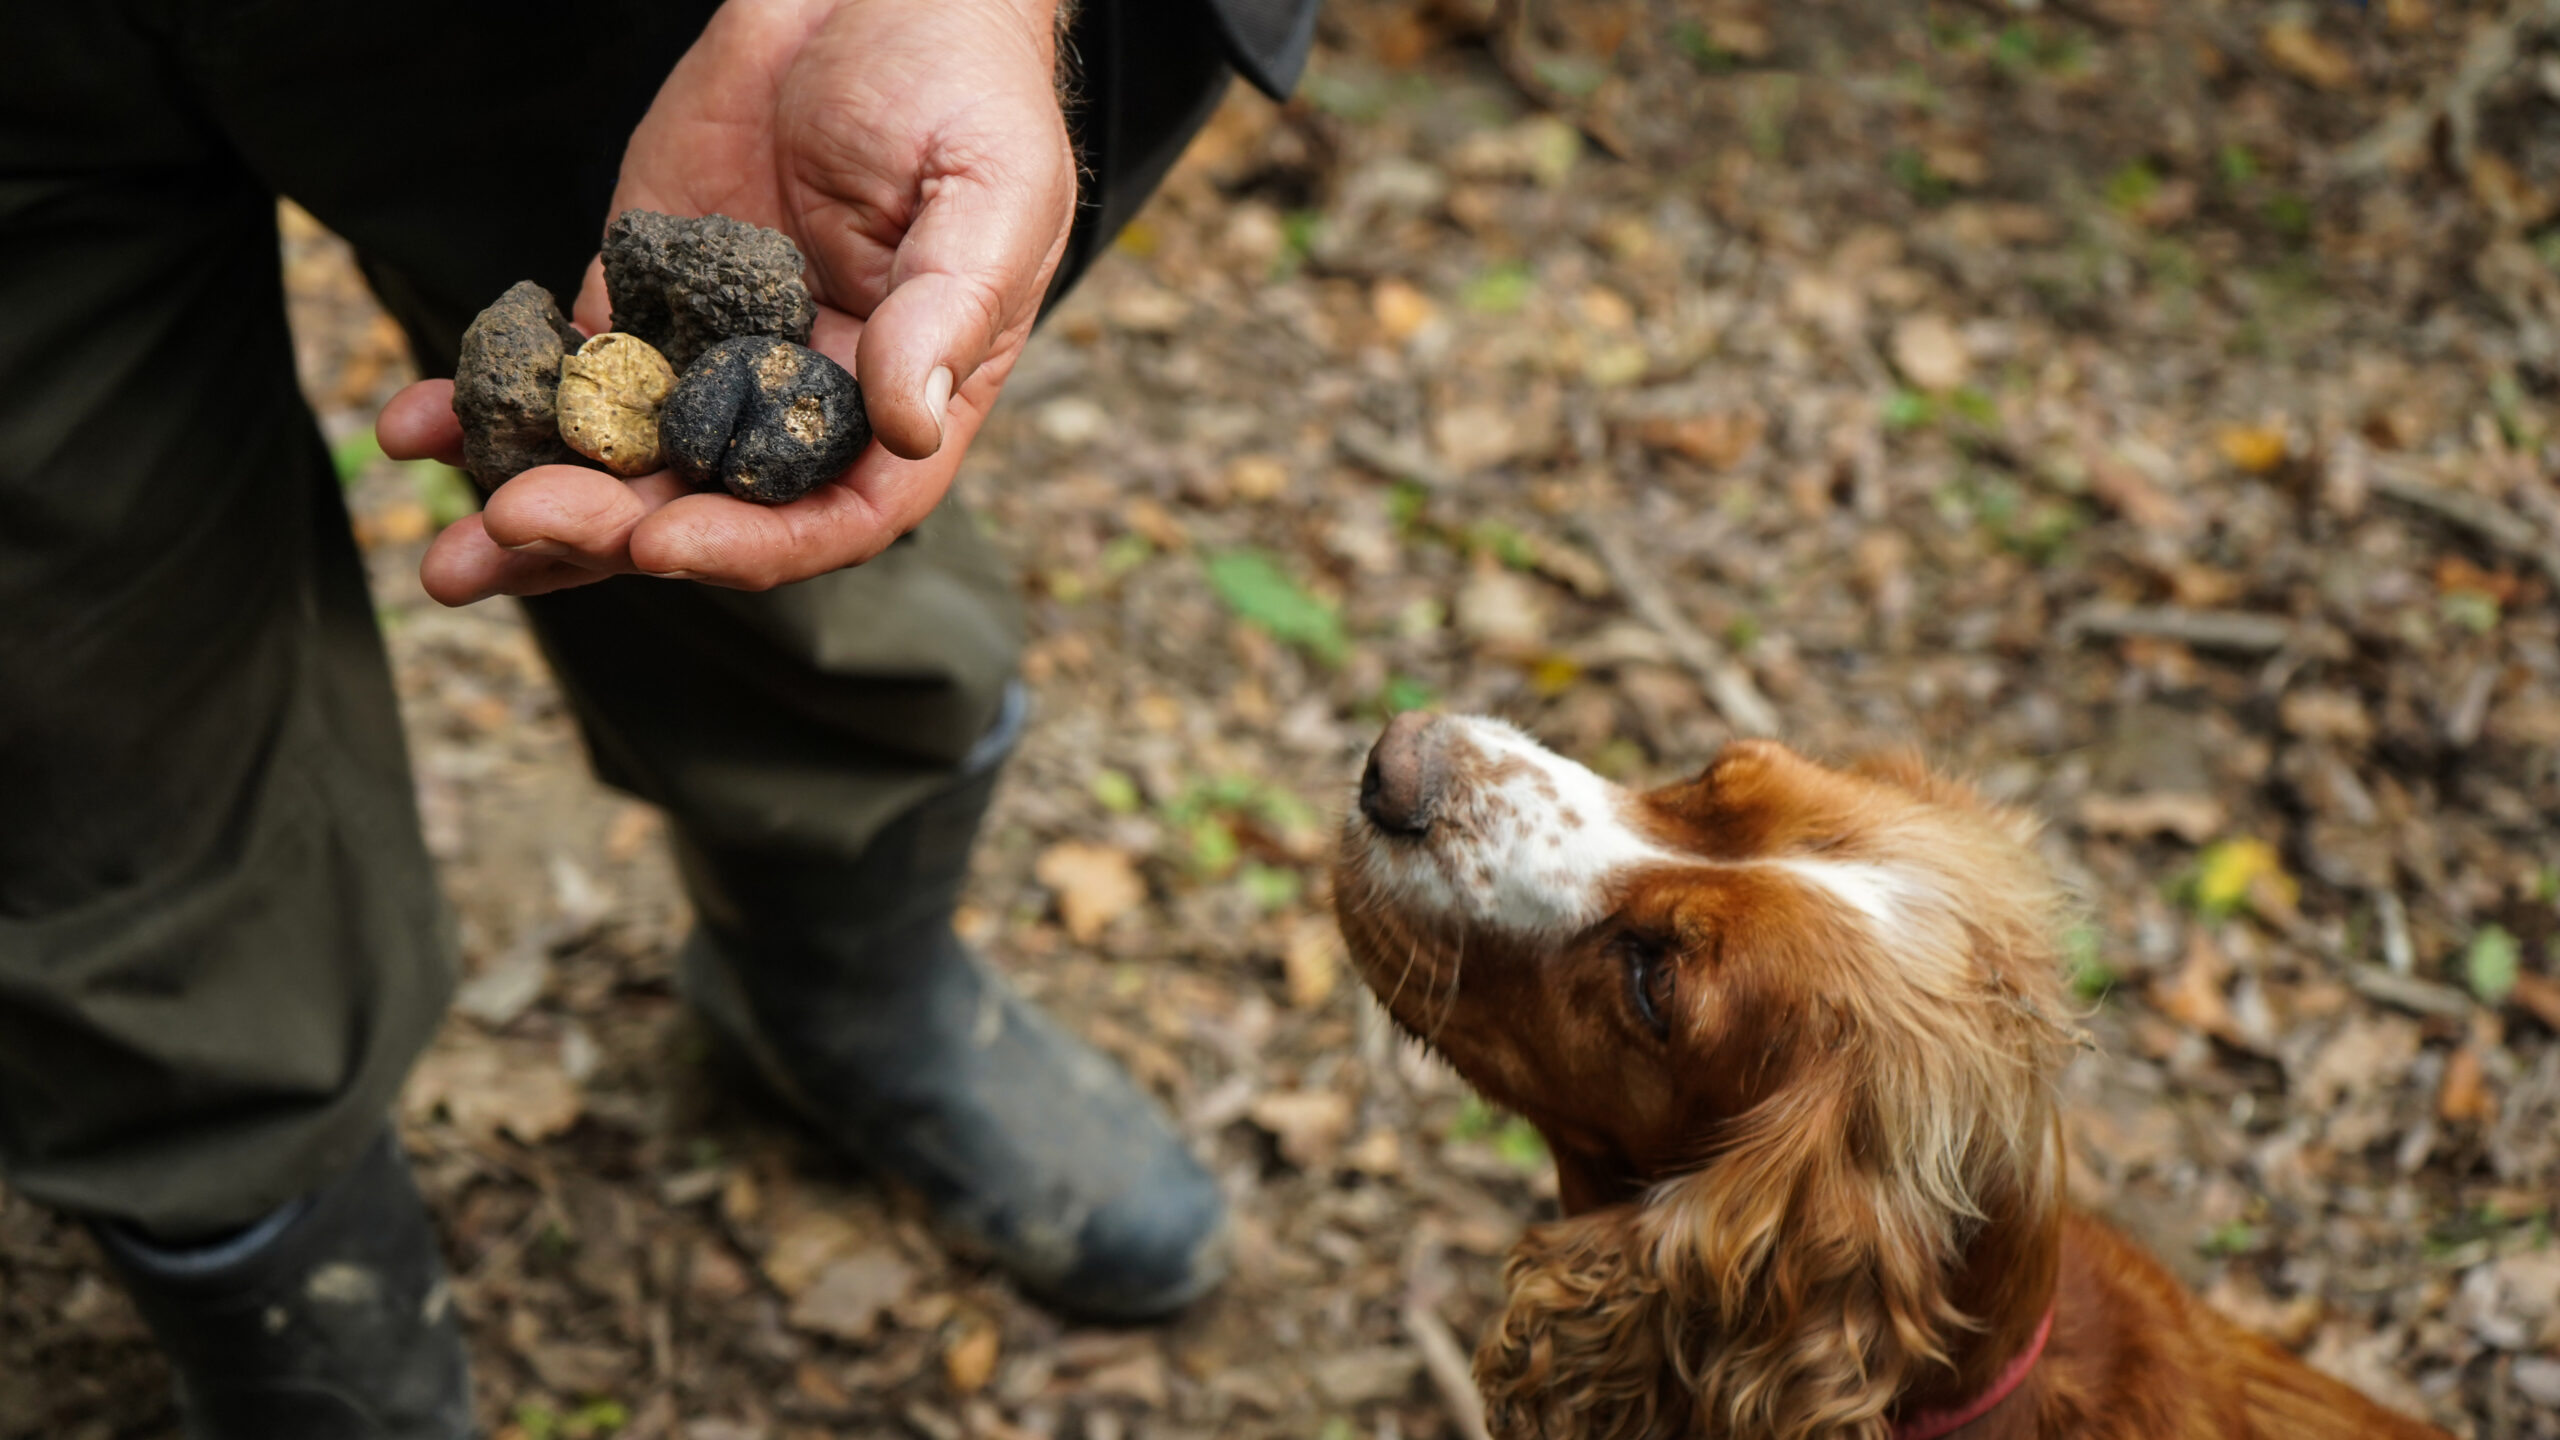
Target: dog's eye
1649,976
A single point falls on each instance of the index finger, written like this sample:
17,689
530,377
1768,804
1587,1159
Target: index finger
418,424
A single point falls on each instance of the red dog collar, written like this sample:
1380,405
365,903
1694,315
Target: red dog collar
1931,1424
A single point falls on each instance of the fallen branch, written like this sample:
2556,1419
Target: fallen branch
1729,687
2407,992
2478,514
1445,1361
2492,51
1397,459
2242,631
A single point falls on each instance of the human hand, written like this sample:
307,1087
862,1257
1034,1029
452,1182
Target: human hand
917,155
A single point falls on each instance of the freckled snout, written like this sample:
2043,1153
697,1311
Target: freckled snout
1406,769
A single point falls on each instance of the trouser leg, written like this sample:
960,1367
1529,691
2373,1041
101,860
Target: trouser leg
220,942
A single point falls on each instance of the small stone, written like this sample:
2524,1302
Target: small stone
766,419
685,285
610,395
506,384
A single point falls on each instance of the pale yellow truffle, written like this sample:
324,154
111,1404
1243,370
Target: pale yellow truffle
610,395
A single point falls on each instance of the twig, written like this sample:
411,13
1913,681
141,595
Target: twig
1445,1361
2419,997
1395,458
2478,514
1729,687
1426,1282
2243,631
2493,49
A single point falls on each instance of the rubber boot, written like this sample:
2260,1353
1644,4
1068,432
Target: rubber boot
330,1319
881,1028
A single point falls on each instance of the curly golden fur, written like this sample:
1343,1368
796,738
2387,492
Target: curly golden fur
1793,1046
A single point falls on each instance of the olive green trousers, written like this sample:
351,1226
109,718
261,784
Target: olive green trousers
221,944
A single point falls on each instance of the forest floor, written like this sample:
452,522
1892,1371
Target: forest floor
2143,406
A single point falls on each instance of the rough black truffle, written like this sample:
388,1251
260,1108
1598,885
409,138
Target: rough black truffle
764,418
506,385
685,285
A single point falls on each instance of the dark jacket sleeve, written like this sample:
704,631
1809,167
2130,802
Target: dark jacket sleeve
1268,40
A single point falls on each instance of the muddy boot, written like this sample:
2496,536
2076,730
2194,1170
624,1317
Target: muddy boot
873,1020
328,1320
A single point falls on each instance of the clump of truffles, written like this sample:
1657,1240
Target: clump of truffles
610,395
505,385
764,418
685,285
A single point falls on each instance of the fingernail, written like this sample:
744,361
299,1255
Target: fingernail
937,398
551,549
673,575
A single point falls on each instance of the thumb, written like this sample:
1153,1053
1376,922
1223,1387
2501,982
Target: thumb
966,284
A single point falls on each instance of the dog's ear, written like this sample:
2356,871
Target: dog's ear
1581,1350
1807,1282
1792,1288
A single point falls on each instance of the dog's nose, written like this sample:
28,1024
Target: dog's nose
1402,782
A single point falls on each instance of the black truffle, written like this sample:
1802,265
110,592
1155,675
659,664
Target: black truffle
685,285
506,385
764,418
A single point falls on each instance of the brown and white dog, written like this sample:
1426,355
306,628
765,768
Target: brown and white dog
1791,1033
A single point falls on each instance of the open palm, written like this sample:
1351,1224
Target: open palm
917,154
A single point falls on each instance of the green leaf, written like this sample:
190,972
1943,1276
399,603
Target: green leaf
1271,887
1260,592
1475,1119
1498,290
2082,960
2238,1237
2473,610
1406,500
2491,964
444,491
1520,1145
1214,850
1403,693
1907,410
2132,187
353,454
1115,791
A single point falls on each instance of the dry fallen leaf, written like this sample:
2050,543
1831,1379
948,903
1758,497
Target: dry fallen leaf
1719,439
969,1356
2121,487
2319,714
2464,1094
1400,310
1095,885
849,1296
1311,961
2193,818
1309,1124
2254,449
805,1244
2193,997
486,1087
1501,610
1257,477
1930,354
2299,51
2539,995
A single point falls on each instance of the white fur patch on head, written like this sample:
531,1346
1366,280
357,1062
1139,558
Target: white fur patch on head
1521,839
1877,892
